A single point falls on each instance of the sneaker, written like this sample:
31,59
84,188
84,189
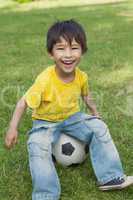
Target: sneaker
117,184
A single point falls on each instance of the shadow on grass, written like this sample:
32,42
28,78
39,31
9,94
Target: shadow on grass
37,5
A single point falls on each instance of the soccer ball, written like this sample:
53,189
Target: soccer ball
69,151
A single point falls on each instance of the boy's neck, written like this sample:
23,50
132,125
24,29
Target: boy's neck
65,77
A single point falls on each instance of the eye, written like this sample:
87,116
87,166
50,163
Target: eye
73,48
60,48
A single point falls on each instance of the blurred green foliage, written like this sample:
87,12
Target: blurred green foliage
23,1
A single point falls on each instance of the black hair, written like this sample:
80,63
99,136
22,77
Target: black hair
68,29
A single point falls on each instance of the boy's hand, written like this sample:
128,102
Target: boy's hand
11,138
91,105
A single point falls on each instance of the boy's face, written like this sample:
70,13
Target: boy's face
66,56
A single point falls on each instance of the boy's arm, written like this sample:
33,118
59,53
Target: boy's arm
12,133
91,105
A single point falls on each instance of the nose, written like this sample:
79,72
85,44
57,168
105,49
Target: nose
68,53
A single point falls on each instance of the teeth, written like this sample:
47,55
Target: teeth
68,62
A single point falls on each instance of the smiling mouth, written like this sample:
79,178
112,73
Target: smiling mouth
68,63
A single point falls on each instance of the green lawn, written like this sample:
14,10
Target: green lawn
109,63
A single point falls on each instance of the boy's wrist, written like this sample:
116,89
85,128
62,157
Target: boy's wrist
12,127
96,114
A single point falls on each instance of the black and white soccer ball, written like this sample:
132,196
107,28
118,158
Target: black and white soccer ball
69,151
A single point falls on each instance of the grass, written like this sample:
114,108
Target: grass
109,63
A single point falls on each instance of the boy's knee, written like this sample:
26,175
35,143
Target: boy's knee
101,131
39,144
101,124
37,150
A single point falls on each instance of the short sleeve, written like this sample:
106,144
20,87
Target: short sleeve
85,85
34,94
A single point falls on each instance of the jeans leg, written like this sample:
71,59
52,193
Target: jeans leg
45,180
104,155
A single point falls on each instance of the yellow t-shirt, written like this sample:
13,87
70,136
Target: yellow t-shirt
54,100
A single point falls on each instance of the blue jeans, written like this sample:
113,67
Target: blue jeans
104,156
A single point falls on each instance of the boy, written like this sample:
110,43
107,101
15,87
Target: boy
54,98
